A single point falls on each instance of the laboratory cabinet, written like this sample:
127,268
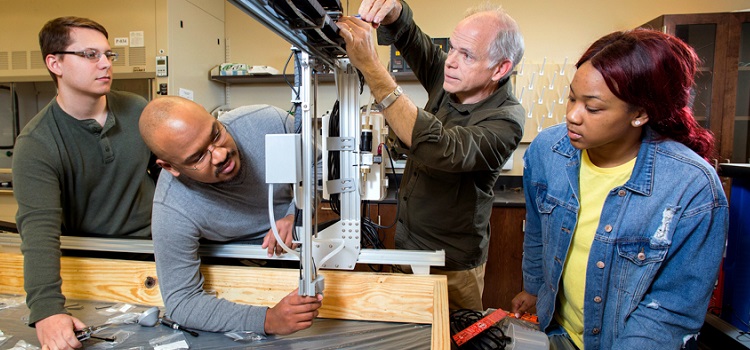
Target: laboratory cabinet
722,92
171,42
140,31
503,277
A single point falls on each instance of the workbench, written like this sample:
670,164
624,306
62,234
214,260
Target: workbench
418,303
324,334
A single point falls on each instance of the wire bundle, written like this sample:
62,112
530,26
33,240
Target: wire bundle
492,338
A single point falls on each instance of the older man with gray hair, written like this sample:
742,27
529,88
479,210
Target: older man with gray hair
457,144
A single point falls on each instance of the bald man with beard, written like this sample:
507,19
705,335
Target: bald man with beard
213,188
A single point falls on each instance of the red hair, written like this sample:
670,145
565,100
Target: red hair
655,71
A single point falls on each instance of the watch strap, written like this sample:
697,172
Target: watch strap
388,100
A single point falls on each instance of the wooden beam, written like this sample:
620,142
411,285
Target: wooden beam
348,295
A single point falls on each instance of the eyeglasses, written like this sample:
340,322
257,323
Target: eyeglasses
216,142
91,54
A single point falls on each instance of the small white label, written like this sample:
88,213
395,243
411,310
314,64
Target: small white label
188,94
172,346
136,39
121,41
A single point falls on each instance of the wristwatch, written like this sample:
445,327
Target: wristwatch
388,100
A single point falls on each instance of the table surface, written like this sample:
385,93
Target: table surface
324,334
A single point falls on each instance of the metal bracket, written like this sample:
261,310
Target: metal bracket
340,186
340,143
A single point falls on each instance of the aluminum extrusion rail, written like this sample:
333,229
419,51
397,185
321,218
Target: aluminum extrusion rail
11,242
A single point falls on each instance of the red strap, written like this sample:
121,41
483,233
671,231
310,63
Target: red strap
478,327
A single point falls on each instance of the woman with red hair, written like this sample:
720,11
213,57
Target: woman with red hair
626,219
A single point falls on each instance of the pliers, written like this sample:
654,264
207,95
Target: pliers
89,332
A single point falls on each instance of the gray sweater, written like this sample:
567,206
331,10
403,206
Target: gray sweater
186,211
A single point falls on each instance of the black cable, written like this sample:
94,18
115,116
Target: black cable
492,338
741,333
286,79
361,82
370,230
398,186
334,157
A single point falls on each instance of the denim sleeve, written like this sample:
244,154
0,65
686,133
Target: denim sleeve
674,307
532,242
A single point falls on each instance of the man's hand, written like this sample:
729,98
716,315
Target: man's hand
293,313
522,302
360,46
58,332
379,12
285,226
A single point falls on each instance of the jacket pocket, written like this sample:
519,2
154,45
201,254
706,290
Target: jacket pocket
642,253
637,266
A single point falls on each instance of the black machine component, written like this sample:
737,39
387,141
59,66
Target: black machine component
307,24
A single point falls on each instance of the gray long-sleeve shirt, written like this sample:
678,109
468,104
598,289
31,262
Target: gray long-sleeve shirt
186,211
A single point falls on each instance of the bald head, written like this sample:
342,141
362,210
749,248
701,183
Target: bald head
166,121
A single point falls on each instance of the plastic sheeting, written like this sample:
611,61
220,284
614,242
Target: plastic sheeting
324,334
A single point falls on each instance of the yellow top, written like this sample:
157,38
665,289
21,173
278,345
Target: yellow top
595,184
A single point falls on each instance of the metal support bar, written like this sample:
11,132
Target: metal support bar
11,243
310,282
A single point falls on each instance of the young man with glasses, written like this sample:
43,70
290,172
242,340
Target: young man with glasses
80,168
213,188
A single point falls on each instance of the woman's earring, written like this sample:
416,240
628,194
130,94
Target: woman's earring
637,123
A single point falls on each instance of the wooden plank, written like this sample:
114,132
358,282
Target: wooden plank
347,295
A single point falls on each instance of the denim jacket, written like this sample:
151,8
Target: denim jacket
656,252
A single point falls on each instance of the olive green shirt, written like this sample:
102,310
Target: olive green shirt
75,177
456,153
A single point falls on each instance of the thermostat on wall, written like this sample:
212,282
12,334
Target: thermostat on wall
161,66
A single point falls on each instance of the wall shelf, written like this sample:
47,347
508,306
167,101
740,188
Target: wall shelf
47,78
283,78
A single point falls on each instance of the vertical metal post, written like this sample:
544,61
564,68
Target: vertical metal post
348,81
310,283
